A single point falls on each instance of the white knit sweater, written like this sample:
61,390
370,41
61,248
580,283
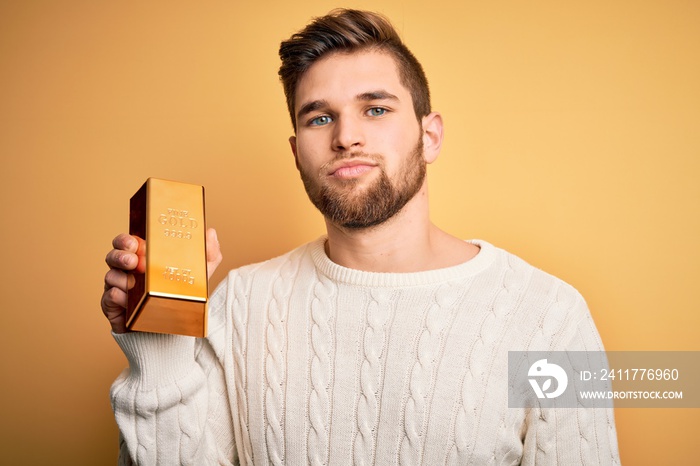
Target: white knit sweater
308,362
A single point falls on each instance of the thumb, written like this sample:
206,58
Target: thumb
214,256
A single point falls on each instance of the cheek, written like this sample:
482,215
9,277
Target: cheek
399,136
307,159
307,143
314,144
398,149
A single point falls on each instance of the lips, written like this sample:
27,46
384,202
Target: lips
351,168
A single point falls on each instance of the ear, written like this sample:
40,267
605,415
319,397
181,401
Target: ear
432,136
293,145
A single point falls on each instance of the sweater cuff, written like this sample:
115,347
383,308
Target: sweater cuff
155,358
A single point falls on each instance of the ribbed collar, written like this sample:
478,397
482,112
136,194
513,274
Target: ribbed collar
341,274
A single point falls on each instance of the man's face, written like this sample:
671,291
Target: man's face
359,146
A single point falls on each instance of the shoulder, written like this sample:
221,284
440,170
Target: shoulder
540,304
532,283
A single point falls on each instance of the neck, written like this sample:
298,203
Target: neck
407,242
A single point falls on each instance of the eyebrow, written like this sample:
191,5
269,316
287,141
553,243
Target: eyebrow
311,107
376,95
314,105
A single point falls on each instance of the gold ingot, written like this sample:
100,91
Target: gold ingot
171,296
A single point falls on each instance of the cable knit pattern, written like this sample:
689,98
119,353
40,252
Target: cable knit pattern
379,314
275,364
309,362
321,371
422,376
240,321
466,421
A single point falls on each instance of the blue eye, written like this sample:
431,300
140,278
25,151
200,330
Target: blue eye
376,111
321,120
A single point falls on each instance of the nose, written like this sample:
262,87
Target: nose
348,134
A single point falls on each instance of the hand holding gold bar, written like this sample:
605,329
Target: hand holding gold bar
171,295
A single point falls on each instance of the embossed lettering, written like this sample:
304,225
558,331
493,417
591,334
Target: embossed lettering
177,220
177,274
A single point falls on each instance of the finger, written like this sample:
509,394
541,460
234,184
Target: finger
126,242
129,253
214,256
114,299
120,259
114,307
119,279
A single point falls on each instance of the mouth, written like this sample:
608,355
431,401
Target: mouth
351,169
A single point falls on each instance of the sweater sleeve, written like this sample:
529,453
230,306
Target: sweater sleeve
572,436
171,403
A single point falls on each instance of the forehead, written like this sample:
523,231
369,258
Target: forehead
342,76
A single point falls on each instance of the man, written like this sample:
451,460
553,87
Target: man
383,343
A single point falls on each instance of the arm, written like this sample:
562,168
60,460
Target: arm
171,403
573,436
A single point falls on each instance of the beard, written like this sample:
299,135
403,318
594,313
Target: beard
345,203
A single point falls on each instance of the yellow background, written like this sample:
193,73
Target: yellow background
572,140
